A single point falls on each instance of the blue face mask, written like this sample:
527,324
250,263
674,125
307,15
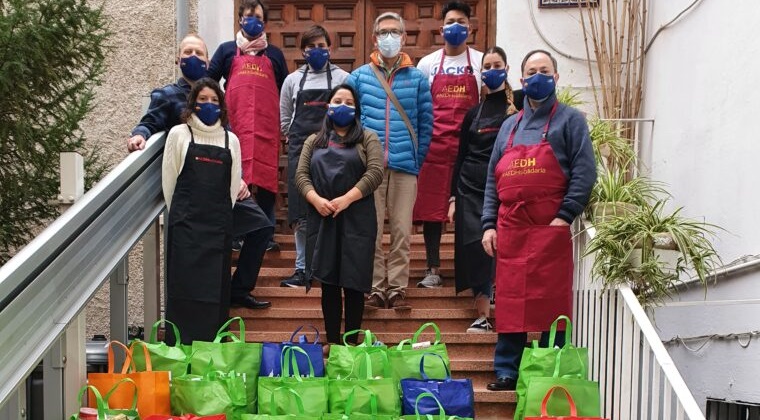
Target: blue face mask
193,68
539,86
494,78
341,115
208,112
317,57
252,26
455,34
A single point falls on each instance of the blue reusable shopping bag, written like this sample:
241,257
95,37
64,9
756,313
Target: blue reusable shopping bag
456,396
271,355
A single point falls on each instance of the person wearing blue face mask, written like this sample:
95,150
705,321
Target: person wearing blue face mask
254,71
200,179
454,75
473,267
168,102
303,104
540,176
339,169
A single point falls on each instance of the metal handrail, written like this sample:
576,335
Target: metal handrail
50,281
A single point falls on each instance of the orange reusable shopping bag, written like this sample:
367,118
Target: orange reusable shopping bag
152,386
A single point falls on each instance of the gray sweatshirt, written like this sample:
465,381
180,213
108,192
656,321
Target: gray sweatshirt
570,141
290,89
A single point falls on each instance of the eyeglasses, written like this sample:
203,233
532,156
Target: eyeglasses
392,32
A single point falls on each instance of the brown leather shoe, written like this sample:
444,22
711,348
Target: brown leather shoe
375,300
398,302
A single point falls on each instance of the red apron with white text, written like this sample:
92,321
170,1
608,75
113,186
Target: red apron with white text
253,103
534,265
453,96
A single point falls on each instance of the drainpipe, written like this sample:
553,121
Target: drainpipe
183,18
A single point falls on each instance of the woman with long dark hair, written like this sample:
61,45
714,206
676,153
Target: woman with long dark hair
473,267
200,179
339,169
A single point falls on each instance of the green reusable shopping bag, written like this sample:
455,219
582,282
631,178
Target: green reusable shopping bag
235,355
405,358
541,361
212,393
311,389
350,414
175,359
288,394
340,363
101,403
365,391
583,392
440,416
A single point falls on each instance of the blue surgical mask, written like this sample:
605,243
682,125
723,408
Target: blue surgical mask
389,45
456,33
539,86
252,26
208,112
494,78
341,115
193,68
317,57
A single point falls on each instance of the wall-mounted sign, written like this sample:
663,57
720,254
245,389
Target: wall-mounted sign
566,3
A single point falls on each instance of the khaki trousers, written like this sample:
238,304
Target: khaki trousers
397,193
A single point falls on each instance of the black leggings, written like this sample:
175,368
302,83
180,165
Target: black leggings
332,309
432,232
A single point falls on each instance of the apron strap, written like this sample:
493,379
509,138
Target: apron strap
443,56
303,79
543,134
476,121
226,139
306,71
192,138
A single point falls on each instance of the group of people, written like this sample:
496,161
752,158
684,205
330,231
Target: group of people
447,140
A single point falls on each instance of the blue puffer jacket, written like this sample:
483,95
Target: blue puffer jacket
379,115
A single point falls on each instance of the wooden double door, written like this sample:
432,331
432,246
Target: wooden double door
350,23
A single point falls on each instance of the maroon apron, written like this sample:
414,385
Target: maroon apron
453,96
534,261
254,110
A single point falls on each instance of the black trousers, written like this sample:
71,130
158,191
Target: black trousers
332,309
249,261
432,231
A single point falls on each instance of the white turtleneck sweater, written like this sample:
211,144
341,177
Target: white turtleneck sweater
176,149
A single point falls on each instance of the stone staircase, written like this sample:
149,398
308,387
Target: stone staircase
471,354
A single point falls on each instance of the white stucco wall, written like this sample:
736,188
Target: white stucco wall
700,90
215,21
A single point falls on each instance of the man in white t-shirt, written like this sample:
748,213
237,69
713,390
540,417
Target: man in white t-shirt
454,74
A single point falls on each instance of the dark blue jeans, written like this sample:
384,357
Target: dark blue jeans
509,350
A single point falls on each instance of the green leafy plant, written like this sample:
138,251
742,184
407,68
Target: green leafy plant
611,149
626,252
569,96
614,194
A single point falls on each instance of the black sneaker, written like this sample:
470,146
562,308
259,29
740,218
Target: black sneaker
502,384
298,279
237,244
273,246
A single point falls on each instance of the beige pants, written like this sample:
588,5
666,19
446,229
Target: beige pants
397,193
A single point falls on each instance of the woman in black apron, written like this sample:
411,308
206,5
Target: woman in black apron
340,168
473,267
201,180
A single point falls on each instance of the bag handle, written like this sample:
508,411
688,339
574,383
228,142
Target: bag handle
100,403
146,354
296,397
316,331
443,362
233,338
570,402
116,385
441,412
352,398
396,104
128,357
225,327
154,332
557,361
423,327
368,338
288,362
568,330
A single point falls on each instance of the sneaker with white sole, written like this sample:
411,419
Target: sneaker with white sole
481,325
431,280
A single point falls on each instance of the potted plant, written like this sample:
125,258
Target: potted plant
629,251
611,149
615,195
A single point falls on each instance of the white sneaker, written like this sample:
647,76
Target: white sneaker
481,325
431,281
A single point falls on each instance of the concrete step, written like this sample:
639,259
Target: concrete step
287,258
271,276
420,298
287,241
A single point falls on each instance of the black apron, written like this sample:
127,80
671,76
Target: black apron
311,107
199,243
340,250
473,266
